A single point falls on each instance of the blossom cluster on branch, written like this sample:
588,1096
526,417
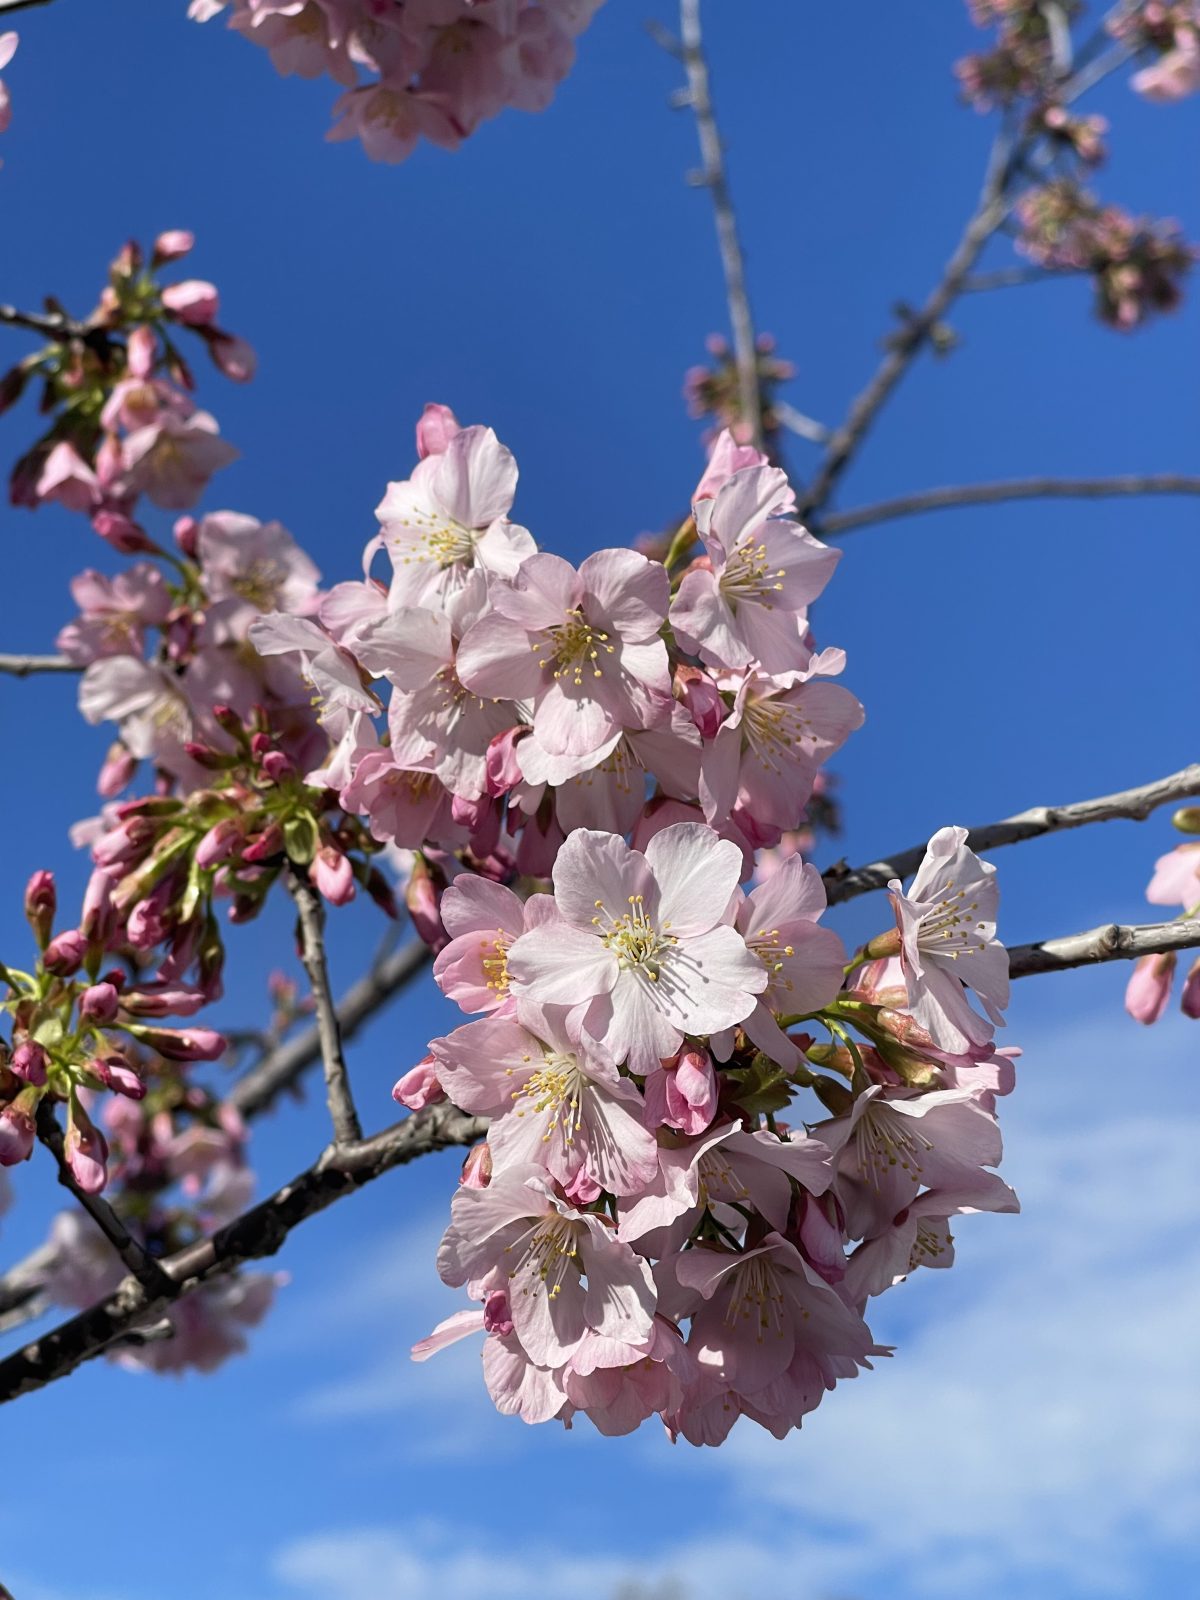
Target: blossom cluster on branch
1176,882
416,69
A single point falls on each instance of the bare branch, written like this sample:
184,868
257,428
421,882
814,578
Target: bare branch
21,1297
796,422
986,494
26,666
745,348
277,1072
1134,805
145,1268
1112,942
53,324
257,1233
347,1129
1014,277
20,5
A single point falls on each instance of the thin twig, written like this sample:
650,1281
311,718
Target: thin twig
347,1129
745,347
257,1233
54,324
984,494
1111,942
20,5
145,1268
796,422
277,1072
1134,805
26,666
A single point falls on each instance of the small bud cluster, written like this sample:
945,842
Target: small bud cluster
715,391
119,391
416,69
1176,882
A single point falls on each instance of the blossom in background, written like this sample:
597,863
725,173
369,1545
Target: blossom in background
8,49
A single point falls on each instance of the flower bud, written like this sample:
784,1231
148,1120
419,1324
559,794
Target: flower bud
171,245
333,875
98,1003
192,302
64,955
683,1092
1149,987
1187,819
30,1062
497,1316
116,771
233,356
419,1087
477,1168
701,699
1190,999
435,429
423,900
183,1044
41,902
265,844
220,843
501,764
98,921
17,1127
123,534
115,1073
86,1150
277,766
187,531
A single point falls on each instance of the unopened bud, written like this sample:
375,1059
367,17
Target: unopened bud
86,1150
64,955
17,1129
477,1168
99,1002
1187,819
423,900
187,532
1190,999
115,1073
221,842
419,1087
172,244
333,875
30,1062
41,902
183,1044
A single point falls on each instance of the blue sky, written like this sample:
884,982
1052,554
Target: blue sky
1032,1436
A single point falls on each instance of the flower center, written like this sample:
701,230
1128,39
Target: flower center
756,1297
259,584
495,964
575,647
551,1252
927,1246
556,1084
950,928
633,938
884,1141
775,729
748,575
438,539
765,944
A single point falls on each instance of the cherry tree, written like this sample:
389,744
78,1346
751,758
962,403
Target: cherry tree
701,1136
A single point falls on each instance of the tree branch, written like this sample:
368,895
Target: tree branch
347,1129
1111,942
144,1267
26,666
257,1233
1134,805
20,5
985,494
745,347
54,324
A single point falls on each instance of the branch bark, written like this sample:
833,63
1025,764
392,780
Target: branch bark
982,494
53,324
257,1233
1111,942
745,348
1134,805
347,1129
25,666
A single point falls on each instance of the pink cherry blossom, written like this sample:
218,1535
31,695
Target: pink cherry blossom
748,604
249,567
947,925
483,919
568,1273
8,49
1176,73
583,646
115,613
643,945
1176,880
171,460
1148,991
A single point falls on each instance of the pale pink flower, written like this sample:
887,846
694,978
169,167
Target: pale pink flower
766,755
331,672
568,1274
146,702
249,567
391,121
558,1098
193,302
583,646
748,603
483,919
1176,73
115,613
301,36
408,806
1176,880
450,517
171,460
919,1235
947,925
724,1167
752,1311
725,458
643,945
619,1385
208,1325
67,478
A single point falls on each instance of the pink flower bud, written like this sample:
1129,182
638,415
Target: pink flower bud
115,1073
1190,1000
683,1092
30,1062
41,902
333,875
582,1189
477,1168
163,1000
141,351
423,902
1149,987
277,766
98,1003
64,955
117,771
419,1087
220,843
265,844
436,428
701,699
503,769
817,1228
193,302
497,1317
67,478
123,534
87,1150
172,244
186,531
17,1128
233,356
184,1044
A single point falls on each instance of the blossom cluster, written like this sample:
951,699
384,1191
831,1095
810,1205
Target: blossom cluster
1172,32
119,391
714,391
644,1233
1176,882
416,69
1136,264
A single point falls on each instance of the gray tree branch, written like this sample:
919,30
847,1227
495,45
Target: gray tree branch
347,1129
1111,942
26,666
982,494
